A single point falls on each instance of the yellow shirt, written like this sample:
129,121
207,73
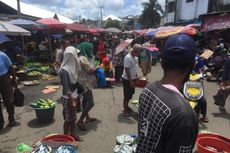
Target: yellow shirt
110,67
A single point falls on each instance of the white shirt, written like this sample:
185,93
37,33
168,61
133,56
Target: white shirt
131,63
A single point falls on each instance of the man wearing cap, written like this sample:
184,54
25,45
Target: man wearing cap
128,77
167,123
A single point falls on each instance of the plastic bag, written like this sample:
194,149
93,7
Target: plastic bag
18,98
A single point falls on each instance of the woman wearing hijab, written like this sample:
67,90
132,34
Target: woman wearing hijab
87,79
69,72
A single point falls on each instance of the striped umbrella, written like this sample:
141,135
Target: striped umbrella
174,30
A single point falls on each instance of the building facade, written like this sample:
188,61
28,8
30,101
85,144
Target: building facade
190,10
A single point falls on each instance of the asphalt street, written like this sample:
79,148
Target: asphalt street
100,136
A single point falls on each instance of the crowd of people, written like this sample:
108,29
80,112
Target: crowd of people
166,121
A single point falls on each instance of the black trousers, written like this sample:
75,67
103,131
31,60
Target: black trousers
201,107
6,90
118,72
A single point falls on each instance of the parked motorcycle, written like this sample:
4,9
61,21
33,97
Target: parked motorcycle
215,64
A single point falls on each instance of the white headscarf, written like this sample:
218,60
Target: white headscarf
71,63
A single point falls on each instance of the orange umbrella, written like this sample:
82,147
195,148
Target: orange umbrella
190,30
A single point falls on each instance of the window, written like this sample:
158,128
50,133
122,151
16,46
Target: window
171,7
188,1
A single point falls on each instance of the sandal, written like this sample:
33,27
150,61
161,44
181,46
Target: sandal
222,109
81,126
126,115
77,138
205,119
91,120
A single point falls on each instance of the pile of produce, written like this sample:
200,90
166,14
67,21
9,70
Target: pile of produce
66,149
33,73
126,143
48,77
41,103
35,70
31,83
42,149
35,66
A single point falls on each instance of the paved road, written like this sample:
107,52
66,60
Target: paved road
100,136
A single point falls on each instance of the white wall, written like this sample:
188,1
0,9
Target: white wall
187,10
202,6
193,9
170,17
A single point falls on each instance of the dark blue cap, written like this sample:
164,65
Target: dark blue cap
178,47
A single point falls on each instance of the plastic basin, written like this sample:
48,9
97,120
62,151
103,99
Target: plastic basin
140,83
59,137
217,143
45,115
213,135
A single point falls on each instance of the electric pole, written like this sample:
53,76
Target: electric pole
101,8
19,9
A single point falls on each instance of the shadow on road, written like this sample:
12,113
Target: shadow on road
3,151
128,120
8,128
224,115
117,85
35,124
4,131
59,101
90,127
202,126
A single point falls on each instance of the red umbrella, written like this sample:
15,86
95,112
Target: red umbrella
95,30
52,23
77,27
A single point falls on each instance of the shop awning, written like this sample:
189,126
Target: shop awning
10,29
52,24
77,27
215,22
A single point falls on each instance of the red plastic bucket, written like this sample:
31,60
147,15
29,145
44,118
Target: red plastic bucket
213,135
59,138
217,143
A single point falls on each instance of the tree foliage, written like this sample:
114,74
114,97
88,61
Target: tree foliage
151,16
112,23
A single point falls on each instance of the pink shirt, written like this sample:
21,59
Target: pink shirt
172,87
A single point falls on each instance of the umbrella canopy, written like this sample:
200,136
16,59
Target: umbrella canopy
123,45
77,27
113,30
10,29
151,32
165,32
140,32
3,38
52,24
27,24
95,30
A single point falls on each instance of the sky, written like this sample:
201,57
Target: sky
76,9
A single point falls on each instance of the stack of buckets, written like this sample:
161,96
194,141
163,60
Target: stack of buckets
216,141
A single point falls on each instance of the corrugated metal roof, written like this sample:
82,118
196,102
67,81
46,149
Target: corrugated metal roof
32,10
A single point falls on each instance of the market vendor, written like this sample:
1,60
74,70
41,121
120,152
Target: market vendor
107,66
